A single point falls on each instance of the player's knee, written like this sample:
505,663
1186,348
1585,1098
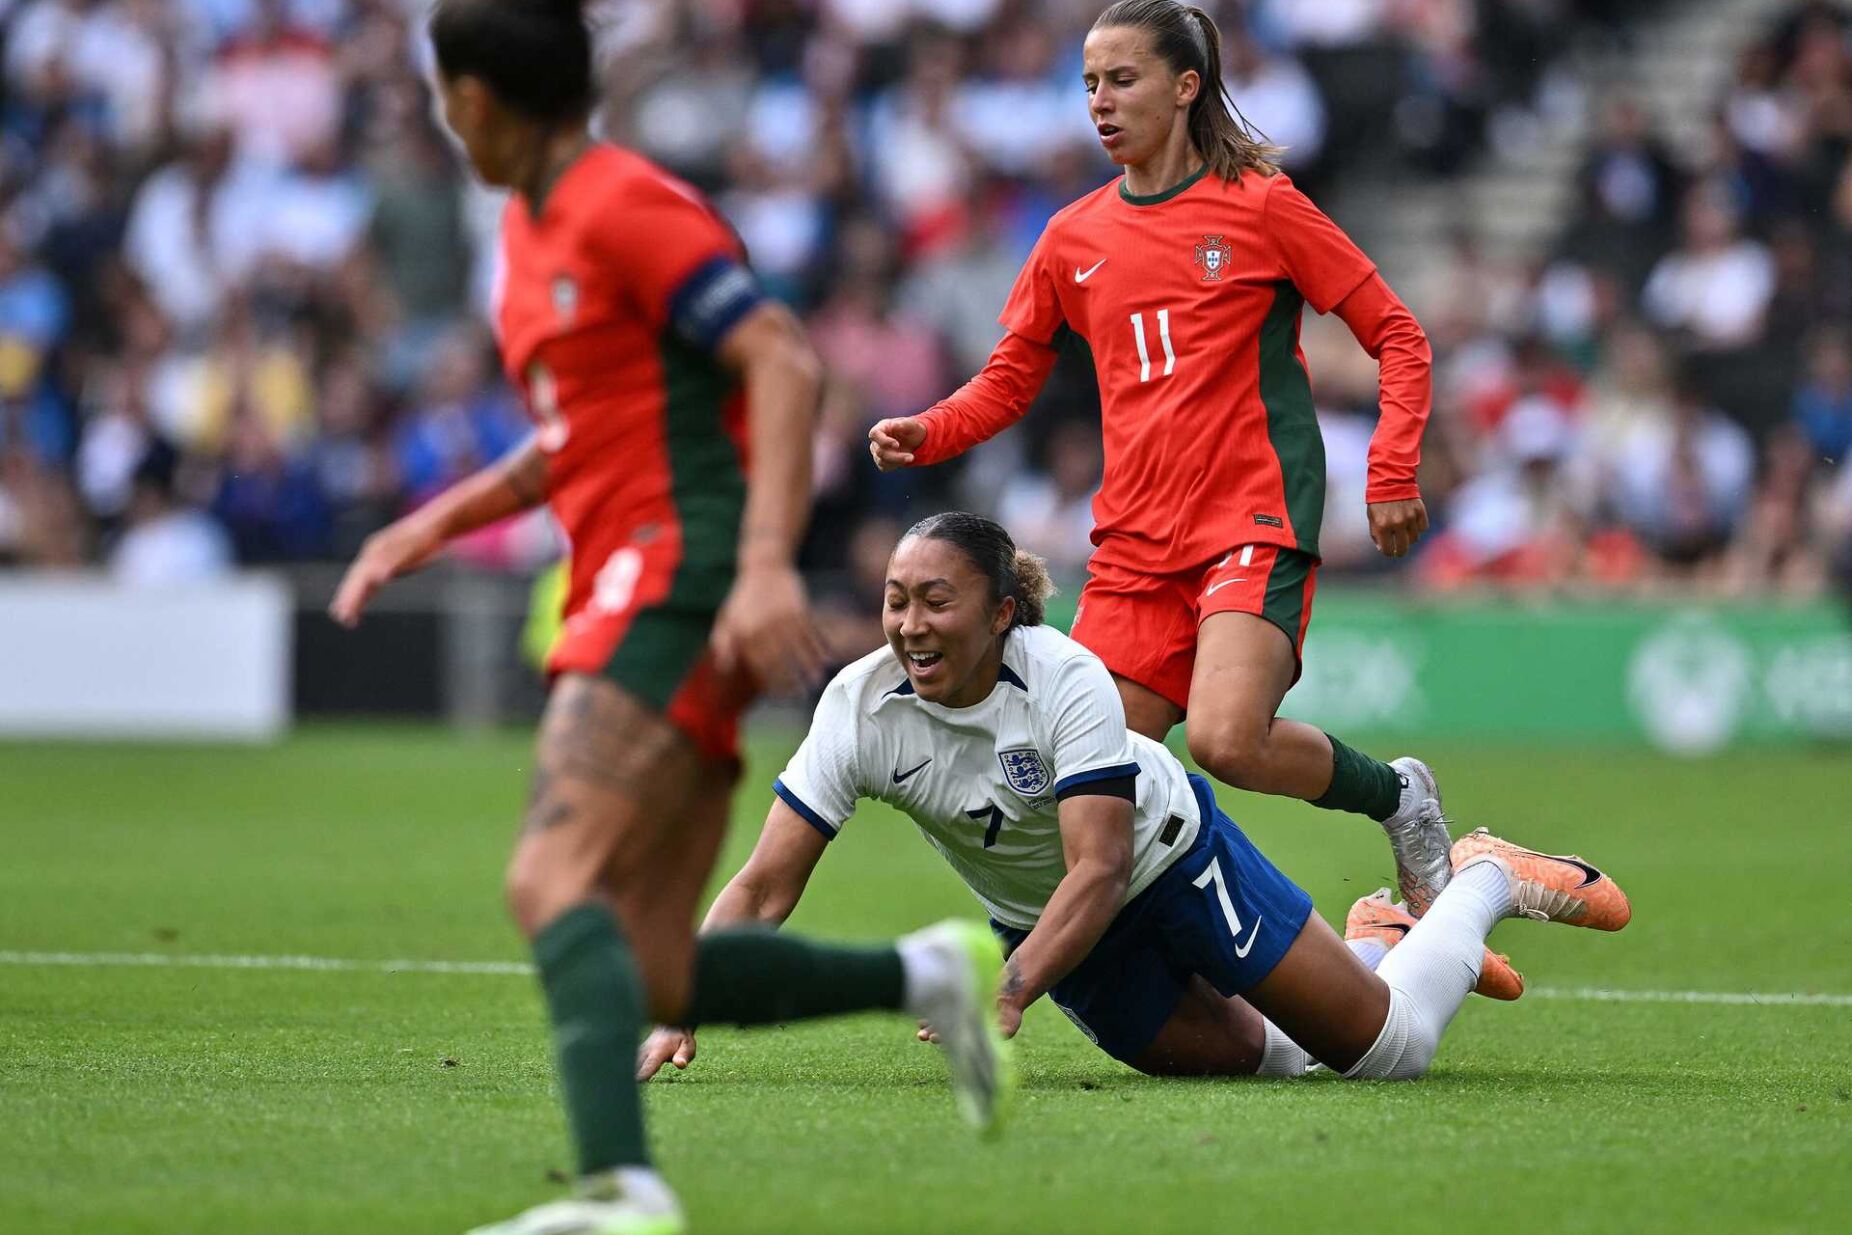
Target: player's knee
1405,1046
538,889
1233,753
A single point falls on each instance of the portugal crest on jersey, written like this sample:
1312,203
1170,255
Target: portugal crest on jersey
1213,256
565,298
1024,769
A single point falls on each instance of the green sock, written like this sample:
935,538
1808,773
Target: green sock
1361,784
751,976
596,1001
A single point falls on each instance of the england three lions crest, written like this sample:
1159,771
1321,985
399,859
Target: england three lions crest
1213,256
1024,769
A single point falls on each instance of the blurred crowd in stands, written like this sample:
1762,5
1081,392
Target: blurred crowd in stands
243,276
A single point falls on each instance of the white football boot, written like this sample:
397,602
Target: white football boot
630,1201
1418,837
961,1008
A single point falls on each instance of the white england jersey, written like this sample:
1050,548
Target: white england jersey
984,782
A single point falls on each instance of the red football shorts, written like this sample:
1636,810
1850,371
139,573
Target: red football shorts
637,633
1143,626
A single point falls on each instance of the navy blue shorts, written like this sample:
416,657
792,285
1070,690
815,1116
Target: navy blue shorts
1222,911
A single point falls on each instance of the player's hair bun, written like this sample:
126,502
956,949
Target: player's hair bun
1033,588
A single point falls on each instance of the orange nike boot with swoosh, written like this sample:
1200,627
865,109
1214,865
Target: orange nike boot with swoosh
1550,887
1378,917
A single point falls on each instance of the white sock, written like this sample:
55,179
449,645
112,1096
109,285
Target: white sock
930,969
1369,951
638,1186
1281,1056
1430,972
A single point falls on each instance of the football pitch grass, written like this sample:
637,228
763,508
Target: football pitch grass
204,1099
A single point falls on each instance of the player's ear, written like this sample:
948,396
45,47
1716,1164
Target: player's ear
1189,85
472,100
1005,614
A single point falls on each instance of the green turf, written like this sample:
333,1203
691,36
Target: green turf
191,1100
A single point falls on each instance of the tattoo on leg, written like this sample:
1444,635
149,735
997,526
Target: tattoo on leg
547,807
599,737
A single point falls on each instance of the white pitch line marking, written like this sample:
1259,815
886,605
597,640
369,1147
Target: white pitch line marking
322,964
335,964
1591,994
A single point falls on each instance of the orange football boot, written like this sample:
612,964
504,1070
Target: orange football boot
1548,887
1378,917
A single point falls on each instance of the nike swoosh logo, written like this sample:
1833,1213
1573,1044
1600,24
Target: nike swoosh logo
1401,928
1213,588
1589,873
1241,953
900,776
1082,278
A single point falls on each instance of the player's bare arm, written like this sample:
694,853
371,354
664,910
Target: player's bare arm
765,621
515,483
1096,841
765,891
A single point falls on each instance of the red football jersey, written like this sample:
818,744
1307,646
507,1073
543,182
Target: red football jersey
611,301
1190,302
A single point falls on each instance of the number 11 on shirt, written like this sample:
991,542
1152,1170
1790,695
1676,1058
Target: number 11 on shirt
1144,353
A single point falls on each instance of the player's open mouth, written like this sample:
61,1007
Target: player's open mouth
1107,132
923,667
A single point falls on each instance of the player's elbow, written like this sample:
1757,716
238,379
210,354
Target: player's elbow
1109,876
1404,338
788,358
762,896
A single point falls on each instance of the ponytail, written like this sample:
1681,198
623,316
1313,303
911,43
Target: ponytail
1186,39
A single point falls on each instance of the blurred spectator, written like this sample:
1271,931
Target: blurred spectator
1279,98
1051,512
417,236
195,395
894,363
1715,286
1514,525
1778,548
34,316
272,505
918,154
461,421
276,81
960,290
166,543
849,604
1629,191
187,229
1682,481
1823,404
352,462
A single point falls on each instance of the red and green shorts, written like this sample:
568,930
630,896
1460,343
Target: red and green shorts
646,627
1143,626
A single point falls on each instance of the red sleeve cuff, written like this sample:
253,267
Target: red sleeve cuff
1404,491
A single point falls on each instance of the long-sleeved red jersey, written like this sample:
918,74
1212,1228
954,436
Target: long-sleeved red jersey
1190,303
